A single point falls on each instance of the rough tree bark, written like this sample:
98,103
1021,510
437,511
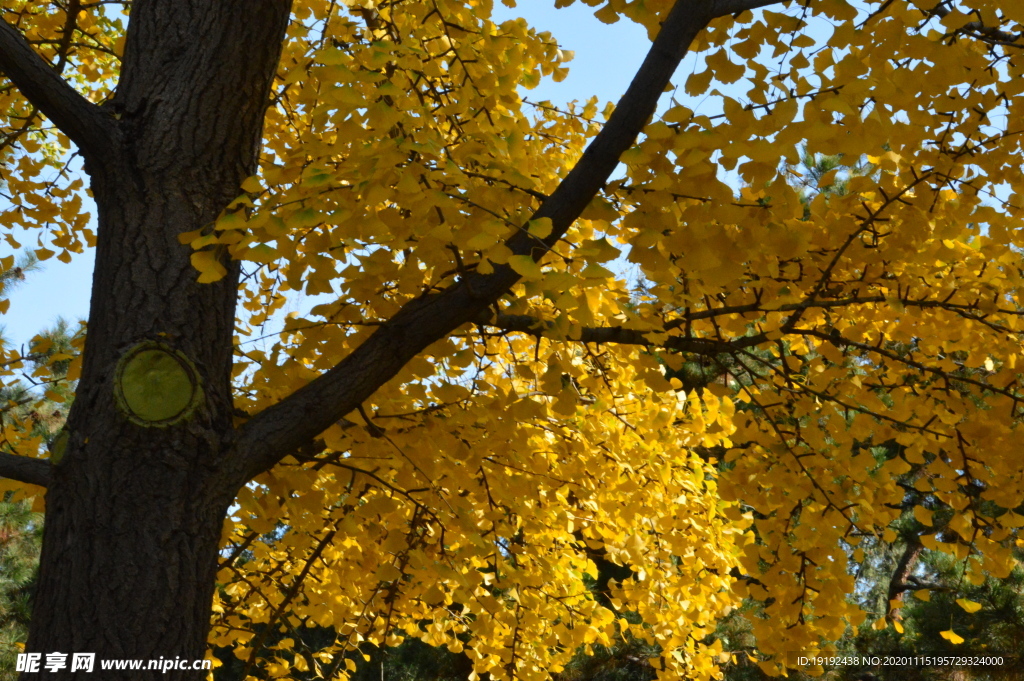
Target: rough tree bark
134,511
135,507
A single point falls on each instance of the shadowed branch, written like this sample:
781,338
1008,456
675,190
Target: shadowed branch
25,469
42,85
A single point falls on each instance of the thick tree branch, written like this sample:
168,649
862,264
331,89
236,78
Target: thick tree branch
901,575
280,429
25,469
78,118
724,7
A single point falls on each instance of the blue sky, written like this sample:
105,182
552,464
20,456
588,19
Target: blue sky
606,58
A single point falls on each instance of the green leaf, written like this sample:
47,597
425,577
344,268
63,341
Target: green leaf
540,228
525,266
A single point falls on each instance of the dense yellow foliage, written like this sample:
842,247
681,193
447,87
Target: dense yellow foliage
461,504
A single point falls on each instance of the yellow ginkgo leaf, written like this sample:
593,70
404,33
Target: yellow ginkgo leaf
210,268
969,606
952,637
252,184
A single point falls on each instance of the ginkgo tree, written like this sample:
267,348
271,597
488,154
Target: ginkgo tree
482,410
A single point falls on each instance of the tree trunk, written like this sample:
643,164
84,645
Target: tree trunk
134,509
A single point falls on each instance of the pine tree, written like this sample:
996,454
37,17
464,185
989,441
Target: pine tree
20,542
38,407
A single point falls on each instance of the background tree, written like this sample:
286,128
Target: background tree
438,450
33,413
20,540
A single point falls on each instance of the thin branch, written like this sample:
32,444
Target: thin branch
81,120
622,336
979,30
25,469
67,33
293,590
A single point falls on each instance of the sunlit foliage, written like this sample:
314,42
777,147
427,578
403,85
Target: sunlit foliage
464,503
